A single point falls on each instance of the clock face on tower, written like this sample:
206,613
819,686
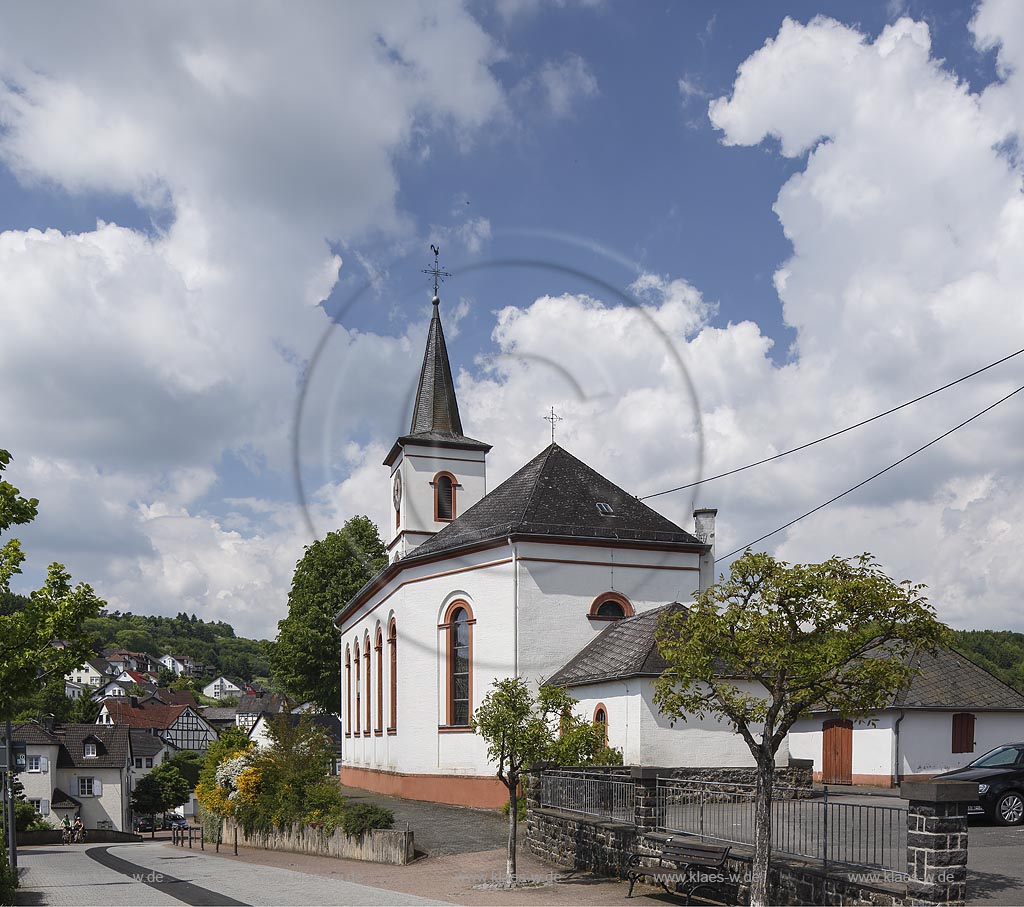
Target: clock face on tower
396,492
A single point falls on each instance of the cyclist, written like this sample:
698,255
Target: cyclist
79,830
65,827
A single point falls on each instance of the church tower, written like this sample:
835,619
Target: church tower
437,473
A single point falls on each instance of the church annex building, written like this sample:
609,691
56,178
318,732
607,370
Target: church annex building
489,584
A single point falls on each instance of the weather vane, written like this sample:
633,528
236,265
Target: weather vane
554,419
436,271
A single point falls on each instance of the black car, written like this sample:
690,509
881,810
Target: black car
144,823
999,775
173,822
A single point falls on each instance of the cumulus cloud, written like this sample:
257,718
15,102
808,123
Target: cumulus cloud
156,354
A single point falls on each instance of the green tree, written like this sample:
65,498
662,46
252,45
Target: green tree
84,710
306,656
521,729
188,763
159,790
836,635
56,611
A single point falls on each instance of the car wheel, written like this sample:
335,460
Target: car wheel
1010,808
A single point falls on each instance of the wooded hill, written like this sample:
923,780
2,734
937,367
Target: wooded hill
1000,652
212,643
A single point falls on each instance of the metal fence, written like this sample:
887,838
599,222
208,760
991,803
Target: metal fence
824,828
591,795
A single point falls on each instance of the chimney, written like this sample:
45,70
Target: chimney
704,529
133,701
48,723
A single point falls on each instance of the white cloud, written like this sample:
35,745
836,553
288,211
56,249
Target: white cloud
565,83
155,355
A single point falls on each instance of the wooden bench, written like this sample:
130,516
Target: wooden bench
696,866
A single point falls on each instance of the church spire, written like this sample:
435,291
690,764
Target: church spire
436,409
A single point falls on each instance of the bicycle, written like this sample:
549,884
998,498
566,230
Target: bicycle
79,836
65,835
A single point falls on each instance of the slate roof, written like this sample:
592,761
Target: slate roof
219,713
144,743
556,495
33,732
625,648
435,415
258,703
61,800
946,679
951,680
111,749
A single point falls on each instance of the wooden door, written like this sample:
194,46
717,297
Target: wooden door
837,752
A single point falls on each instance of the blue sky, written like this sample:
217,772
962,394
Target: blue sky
818,216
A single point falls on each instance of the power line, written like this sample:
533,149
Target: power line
870,478
834,434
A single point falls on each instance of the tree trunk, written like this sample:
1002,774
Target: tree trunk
513,809
759,894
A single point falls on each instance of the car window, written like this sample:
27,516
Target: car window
1001,756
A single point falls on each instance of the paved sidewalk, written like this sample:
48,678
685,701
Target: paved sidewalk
453,877
165,875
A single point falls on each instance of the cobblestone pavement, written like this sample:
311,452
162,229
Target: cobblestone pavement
440,829
69,875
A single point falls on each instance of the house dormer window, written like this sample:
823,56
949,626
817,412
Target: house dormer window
605,509
90,750
444,497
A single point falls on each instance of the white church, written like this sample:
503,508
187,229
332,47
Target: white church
555,575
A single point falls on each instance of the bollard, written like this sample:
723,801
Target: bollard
202,837
190,837
217,847
236,840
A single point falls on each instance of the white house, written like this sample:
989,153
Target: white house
613,679
223,687
252,705
174,663
949,714
488,584
77,769
95,672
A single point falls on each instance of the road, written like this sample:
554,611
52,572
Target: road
153,875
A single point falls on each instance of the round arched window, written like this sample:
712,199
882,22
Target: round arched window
611,609
600,717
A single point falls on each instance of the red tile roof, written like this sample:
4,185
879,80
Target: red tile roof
148,715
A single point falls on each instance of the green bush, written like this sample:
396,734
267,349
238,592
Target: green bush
359,818
520,809
8,879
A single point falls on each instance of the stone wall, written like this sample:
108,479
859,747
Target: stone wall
376,846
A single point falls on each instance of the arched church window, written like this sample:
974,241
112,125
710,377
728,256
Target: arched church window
379,649
348,692
601,719
393,657
366,664
358,687
459,658
611,606
444,497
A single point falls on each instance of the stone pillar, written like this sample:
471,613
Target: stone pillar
937,840
645,802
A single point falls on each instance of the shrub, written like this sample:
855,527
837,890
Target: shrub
8,879
359,818
520,809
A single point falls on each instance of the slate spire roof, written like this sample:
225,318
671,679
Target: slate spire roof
435,416
556,494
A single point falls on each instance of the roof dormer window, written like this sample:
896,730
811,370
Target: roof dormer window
605,509
90,750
